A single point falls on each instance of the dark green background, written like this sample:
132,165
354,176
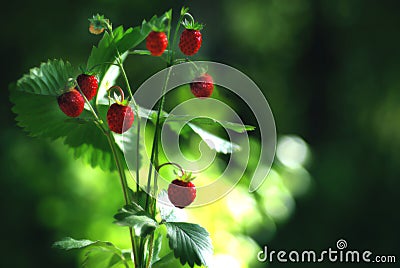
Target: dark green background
329,69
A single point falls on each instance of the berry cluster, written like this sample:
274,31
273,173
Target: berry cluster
72,102
189,44
119,116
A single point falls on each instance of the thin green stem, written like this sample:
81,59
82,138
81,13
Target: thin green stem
128,86
168,36
103,63
178,25
124,184
153,159
121,66
150,251
111,142
171,164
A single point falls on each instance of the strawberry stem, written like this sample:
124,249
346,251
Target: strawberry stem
125,188
172,164
178,25
121,92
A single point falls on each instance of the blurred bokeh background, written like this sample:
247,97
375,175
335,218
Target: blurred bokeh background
330,71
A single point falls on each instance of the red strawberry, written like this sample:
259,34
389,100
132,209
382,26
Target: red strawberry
119,118
71,103
156,43
203,87
88,84
181,193
190,41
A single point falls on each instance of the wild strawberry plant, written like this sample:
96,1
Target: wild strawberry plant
89,112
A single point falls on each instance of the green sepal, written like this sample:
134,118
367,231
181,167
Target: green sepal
99,22
192,25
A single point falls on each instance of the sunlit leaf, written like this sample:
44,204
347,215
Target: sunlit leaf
190,242
168,211
139,220
214,142
111,46
41,117
240,128
165,261
157,248
99,254
50,78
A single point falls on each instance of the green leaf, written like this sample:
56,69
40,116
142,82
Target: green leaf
191,243
100,258
41,117
111,45
166,261
138,199
214,142
157,248
239,128
109,78
101,254
69,243
168,211
134,216
51,78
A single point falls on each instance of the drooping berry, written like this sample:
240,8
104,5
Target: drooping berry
203,87
71,103
181,193
98,24
119,118
95,30
156,43
190,41
88,84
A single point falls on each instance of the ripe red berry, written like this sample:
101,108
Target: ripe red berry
203,87
88,84
156,43
119,118
190,42
181,193
71,103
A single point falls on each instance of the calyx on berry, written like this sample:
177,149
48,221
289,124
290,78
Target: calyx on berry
182,175
120,116
181,191
98,24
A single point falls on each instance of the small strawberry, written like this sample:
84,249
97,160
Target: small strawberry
98,24
191,39
88,84
71,103
120,116
203,87
156,43
181,191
